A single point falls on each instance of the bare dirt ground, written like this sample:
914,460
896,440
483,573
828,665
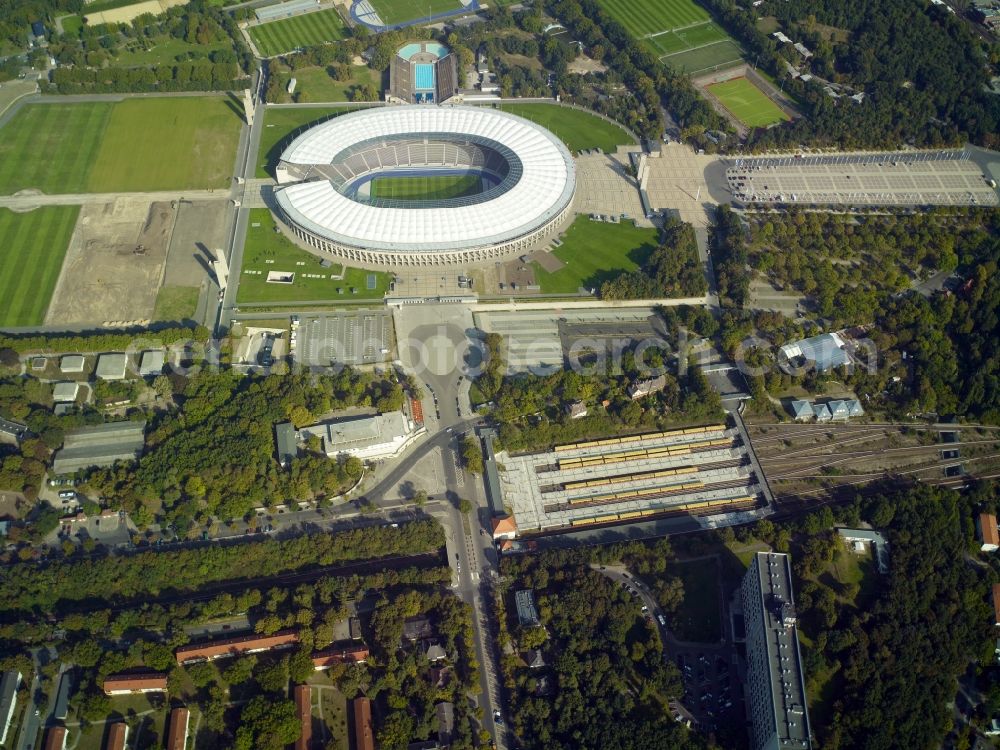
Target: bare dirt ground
583,65
114,264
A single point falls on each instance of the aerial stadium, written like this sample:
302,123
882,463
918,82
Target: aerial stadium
424,185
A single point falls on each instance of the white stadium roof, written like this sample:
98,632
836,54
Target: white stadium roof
544,189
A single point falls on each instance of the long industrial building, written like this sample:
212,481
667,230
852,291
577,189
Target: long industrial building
101,445
775,684
698,470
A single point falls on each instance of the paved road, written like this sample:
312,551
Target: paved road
34,200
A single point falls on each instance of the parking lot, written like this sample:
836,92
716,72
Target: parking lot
945,178
362,337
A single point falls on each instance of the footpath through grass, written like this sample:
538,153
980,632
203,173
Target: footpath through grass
268,250
747,103
578,129
31,256
275,37
436,187
132,145
595,252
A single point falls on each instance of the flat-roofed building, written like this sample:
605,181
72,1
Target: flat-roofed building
112,366
61,709
140,682
72,363
248,644
775,683
101,445
370,437
55,738
284,438
65,391
878,543
364,737
9,684
152,362
986,532
303,708
177,729
117,736
12,429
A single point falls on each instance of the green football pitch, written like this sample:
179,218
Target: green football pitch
400,11
276,37
643,17
747,103
431,187
31,256
132,145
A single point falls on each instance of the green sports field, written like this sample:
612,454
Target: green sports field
685,39
747,103
267,250
400,11
436,187
716,56
31,254
595,252
642,17
133,145
579,130
276,37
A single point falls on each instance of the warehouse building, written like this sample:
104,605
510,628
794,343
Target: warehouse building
101,445
775,683
72,363
823,352
65,392
152,362
698,470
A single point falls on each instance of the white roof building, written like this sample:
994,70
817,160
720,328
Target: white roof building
536,190
151,362
62,392
824,352
71,363
111,366
371,437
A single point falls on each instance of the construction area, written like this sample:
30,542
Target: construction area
945,178
694,471
114,264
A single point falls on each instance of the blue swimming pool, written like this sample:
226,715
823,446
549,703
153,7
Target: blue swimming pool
409,51
423,76
437,49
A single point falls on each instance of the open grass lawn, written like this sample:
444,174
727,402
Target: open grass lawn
51,147
747,102
642,17
330,705
165,50
595,252
133,145
698,618
267,250
716,56
426,188
168,144
176,303
400,11
318,85
281,126
72,25
275,37
31,254
579,130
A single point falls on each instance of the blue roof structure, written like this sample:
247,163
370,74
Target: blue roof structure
824,352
